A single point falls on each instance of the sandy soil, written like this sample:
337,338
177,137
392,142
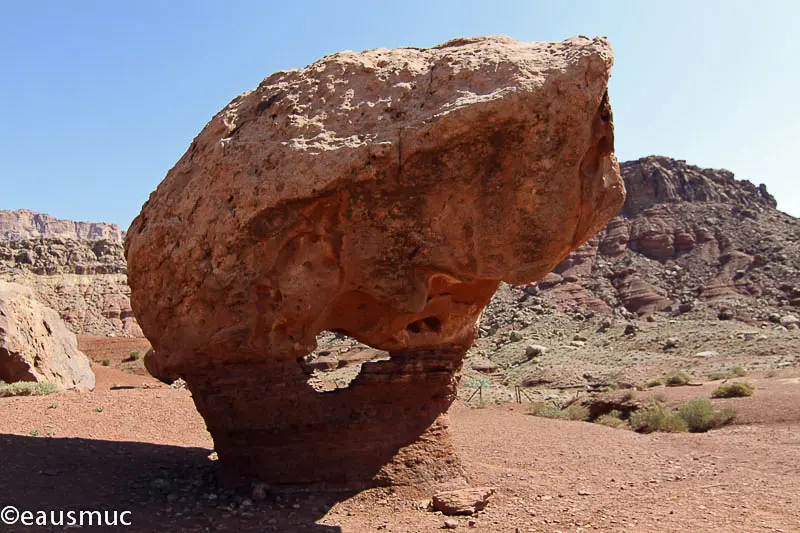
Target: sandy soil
136,444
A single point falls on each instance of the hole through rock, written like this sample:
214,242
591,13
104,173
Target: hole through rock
337,361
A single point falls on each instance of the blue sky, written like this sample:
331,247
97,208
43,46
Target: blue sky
100,98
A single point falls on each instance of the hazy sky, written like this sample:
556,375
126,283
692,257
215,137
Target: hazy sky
100,98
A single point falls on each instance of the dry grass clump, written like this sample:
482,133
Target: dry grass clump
611,419
549,410
695,416
657,417
733,372
700,415
27,388
677,378
734,389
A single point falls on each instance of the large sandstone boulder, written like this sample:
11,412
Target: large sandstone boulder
383,194
35,344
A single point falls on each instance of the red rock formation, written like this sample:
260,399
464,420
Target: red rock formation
385,195
685,233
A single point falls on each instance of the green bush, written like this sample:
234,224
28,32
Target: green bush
655,383
657,417
734,389
611,419
133,356
677,378
28,388
480,383
106,362
701,416
549,410
698,414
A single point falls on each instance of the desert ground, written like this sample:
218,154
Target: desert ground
137,444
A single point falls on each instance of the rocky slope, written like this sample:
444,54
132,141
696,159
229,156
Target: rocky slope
71,271
684,235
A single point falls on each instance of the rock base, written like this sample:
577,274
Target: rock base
386,428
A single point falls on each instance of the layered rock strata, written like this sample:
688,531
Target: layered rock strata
382,194
685,234
25,224
84,280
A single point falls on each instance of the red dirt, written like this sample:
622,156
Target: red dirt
148,451
116,352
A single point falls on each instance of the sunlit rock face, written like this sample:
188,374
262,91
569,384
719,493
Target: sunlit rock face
383,194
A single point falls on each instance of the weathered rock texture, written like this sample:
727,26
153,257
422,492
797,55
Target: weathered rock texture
25,224
384,194
35,345
684,234
84,280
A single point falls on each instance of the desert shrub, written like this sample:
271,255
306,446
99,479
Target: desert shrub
701,416
657,417
677,378
734,389
479,383
724,416
133,356
698,414
738,371
611,419
549,410
106,362
99,408
733,372
27,388
576,412
655,383
659,397
627,396
544,409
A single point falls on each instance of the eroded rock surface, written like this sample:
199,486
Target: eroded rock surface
383,194
35,344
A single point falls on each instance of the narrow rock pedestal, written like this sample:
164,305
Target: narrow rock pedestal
386,427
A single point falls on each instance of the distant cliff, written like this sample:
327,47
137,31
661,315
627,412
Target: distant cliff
76,268
24,224
684,234
656,180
